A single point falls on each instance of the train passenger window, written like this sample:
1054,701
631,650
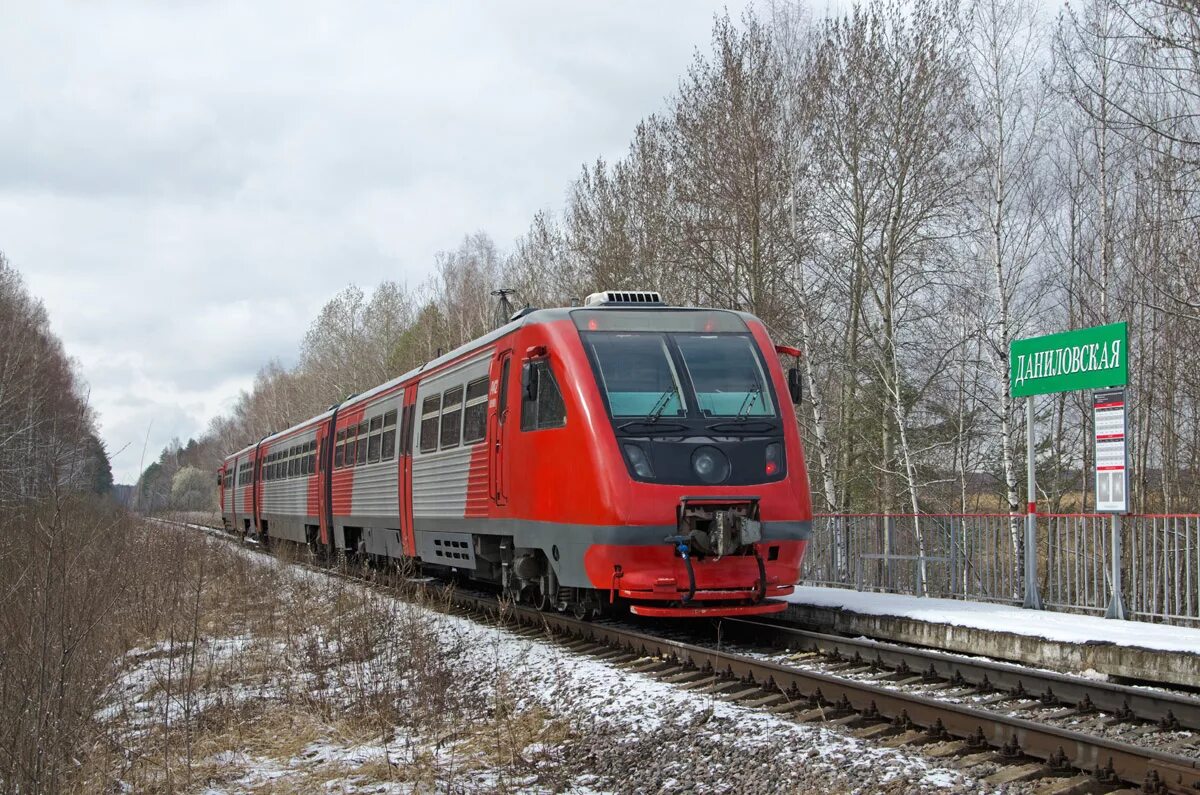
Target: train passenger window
311,461
373,440
389,436
475,411
546,408
429,423
339,449
360,457
451,417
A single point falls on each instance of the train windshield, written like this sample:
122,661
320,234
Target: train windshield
727,375
638,375
672,370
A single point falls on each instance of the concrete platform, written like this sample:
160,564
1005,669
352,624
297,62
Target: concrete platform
1064,642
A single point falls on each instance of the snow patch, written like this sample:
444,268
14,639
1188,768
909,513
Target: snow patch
1062,627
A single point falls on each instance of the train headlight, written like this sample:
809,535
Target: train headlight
773,455
710,465
639,462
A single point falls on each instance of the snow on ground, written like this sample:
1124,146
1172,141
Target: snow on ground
1064,627
604,729
666,737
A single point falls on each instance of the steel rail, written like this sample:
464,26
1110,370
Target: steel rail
1172,710
1059,748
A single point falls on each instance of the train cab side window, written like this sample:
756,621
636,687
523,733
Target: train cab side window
475,411
544,408
374,439
502,404
452,400
388,444
361,454
430,410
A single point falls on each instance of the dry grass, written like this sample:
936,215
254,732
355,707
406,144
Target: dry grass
146,658
274,679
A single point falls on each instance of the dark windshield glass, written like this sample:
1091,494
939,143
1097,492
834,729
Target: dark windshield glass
637,374
727,374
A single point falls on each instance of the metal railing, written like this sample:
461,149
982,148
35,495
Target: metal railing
1155,560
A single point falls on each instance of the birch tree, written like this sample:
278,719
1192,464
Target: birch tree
1005,55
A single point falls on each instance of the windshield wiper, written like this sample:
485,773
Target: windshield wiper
751,396
744,426
660,405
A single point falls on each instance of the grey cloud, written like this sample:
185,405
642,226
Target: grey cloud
186,184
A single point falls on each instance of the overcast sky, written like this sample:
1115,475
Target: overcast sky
184,184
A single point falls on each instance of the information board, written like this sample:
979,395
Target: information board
1112,476
1087,358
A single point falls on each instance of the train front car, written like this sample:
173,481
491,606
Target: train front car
702,497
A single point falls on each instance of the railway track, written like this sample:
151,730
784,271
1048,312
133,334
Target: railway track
868,687
1168,709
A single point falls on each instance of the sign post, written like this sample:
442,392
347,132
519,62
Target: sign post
1033,599
1089,358
1112,478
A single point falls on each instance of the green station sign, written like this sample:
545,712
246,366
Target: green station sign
1088,358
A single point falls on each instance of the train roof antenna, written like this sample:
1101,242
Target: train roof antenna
506,307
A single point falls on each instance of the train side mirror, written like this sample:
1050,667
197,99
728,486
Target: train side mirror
795,385
529,381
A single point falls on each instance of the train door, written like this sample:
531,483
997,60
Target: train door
324,478
235,476
408,540
497,421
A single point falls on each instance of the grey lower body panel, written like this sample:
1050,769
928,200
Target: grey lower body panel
380,535
287,526
572,540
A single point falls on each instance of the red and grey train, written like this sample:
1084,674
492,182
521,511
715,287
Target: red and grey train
623,451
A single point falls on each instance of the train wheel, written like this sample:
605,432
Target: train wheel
538,599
